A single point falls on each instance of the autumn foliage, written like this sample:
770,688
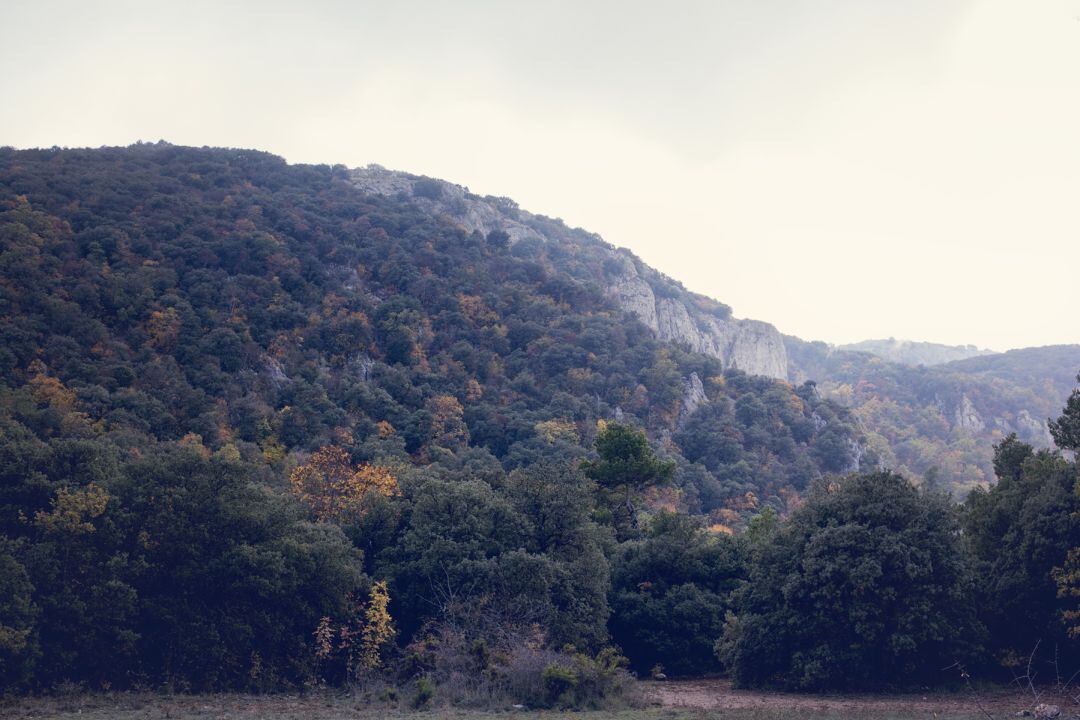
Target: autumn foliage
378,627
335,490
362,637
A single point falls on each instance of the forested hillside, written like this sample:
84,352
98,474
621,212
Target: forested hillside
229,297
939,424
184,333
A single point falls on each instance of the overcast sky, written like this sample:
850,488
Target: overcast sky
844,170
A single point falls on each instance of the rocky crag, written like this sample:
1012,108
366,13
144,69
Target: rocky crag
966,404
673,313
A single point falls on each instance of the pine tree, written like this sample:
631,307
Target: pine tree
626,467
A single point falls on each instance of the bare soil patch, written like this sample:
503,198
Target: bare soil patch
718,694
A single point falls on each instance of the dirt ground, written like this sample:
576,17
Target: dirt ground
702,699
717,694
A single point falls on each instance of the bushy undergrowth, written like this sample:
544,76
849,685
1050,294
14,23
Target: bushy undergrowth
514,667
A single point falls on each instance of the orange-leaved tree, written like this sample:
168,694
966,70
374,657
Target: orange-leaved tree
335,490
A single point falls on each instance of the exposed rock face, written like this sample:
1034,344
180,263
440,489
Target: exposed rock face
673,323
752,346
748,345
635,296
1036,430
362,365
967,417
757,348
454,201
693,397
275,372
855,456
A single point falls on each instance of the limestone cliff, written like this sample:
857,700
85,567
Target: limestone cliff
693,397
669,310
750,345
966,417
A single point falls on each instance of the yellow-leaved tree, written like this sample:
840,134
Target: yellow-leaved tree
363,636
448,426
337,491
73,510
378,627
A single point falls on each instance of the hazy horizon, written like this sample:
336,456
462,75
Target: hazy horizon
847,171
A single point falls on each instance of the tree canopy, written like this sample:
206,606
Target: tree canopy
865,586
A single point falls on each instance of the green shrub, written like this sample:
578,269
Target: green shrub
559,684
670,592
506,665
603,681
423,693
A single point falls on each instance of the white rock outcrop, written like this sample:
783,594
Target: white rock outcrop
453,201
693,397
748,345
636,297
967,417
1035,430
752,346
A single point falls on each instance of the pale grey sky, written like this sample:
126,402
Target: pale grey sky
845,170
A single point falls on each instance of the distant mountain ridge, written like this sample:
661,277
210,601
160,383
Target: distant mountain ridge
911,352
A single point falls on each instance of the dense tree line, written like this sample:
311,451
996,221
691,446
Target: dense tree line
259,430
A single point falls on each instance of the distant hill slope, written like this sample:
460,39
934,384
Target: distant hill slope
942,421
914,353
1051,368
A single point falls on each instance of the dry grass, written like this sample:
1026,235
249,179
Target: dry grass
322,706
690,700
